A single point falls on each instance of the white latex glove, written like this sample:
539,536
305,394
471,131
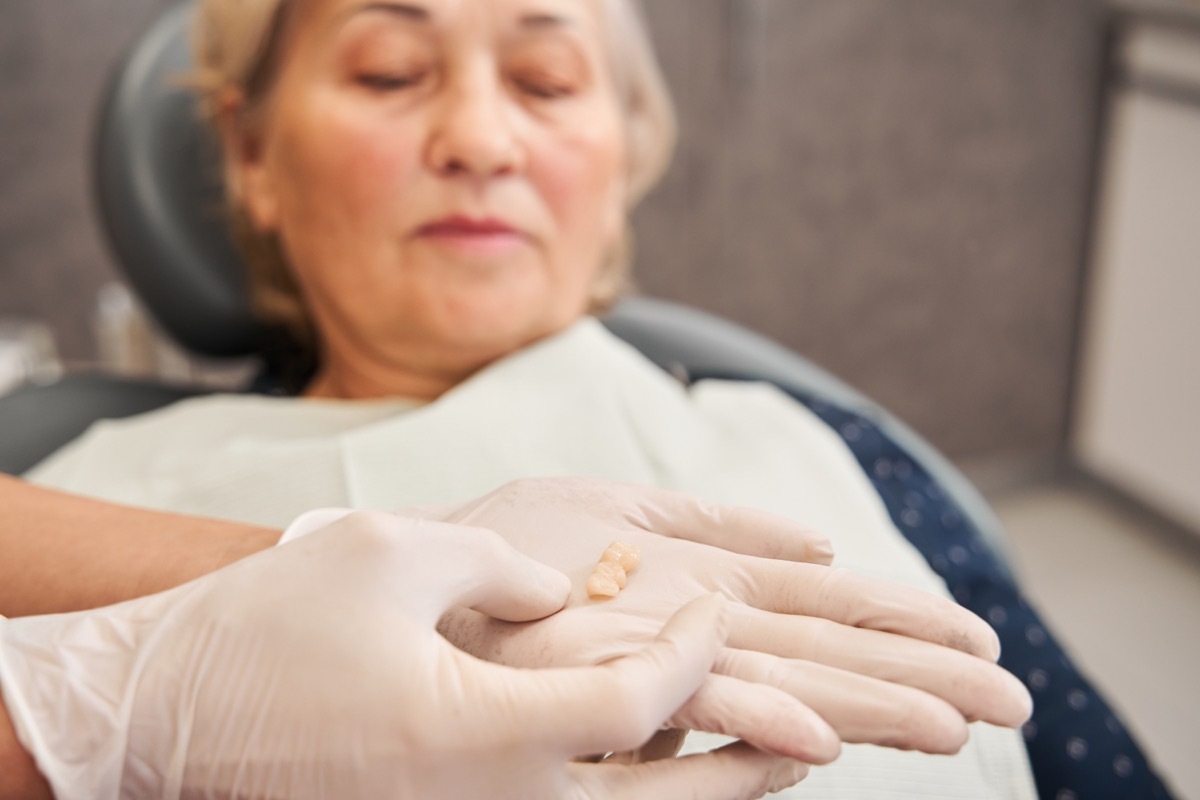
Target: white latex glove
880,662
314,671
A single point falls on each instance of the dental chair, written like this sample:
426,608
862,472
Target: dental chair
159,196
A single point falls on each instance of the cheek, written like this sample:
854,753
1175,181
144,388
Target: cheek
341,170
582,181
341,175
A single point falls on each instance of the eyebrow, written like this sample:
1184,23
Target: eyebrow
539,19
536,20
406,10
543,20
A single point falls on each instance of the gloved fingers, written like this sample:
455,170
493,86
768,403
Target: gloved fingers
429,566
764,716
977,688
734,528
860,708
734,772
469,567
618,705
865,602
665,743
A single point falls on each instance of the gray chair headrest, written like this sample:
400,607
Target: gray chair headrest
158,185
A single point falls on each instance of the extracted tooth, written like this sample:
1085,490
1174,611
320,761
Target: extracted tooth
626,555
612,571
609,575
601,585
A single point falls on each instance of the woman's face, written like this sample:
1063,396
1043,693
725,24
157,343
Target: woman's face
445,176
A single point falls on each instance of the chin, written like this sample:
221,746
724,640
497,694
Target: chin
502,323
502,337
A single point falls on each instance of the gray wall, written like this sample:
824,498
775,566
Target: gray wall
897,188
54,58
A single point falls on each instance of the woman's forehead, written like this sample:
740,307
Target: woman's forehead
587,16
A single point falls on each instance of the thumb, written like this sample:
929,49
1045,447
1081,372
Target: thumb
618,705
429,566
465,566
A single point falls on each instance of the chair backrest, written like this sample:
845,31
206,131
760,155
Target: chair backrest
158,187
36,420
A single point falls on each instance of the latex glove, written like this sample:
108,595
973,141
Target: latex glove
314,670
880,662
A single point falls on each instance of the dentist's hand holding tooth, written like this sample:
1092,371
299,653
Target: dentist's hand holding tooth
314,670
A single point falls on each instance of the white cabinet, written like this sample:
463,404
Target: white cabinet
1137,421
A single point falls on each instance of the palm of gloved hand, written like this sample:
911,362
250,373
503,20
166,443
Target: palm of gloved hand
315,670
879,662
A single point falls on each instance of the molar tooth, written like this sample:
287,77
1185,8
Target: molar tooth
626,555
599,585
608,577
612,571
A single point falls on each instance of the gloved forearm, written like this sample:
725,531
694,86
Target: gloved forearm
19,777
63,552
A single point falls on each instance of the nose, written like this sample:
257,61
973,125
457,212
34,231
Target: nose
474,134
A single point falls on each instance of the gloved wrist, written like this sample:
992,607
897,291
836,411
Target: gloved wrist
311,521
67,681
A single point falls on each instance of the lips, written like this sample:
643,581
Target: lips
473,237
468,226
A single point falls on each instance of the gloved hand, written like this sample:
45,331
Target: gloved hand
880,662
314,670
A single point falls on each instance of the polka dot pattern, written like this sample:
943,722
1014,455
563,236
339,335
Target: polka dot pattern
1078,748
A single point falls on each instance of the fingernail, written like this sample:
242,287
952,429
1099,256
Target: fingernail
554,583
828,745
820,552
994,647
720,612
787,775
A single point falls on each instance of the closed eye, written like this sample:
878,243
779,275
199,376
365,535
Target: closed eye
382,82
545,90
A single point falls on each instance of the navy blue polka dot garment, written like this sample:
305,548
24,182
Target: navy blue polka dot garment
1078,748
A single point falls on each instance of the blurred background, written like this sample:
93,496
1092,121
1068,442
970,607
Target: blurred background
984,214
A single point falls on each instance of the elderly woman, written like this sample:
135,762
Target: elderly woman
432,196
